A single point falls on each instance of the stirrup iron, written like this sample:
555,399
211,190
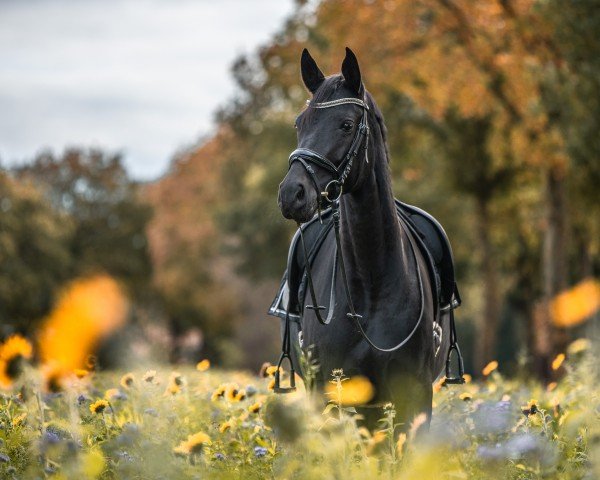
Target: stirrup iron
278,388
460,379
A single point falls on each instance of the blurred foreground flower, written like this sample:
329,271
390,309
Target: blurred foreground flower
127,380
87,311
578,346
203,365
573,306
193,444
355,391
558,361
489,368
12,352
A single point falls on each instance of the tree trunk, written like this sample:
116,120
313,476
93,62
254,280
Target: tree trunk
487,328
554,271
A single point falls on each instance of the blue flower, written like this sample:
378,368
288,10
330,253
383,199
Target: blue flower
260,451
219,456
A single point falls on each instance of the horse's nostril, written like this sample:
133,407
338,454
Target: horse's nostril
300,194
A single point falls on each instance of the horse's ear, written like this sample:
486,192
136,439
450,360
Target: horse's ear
311,74
351,72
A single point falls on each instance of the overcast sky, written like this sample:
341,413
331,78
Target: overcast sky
144,77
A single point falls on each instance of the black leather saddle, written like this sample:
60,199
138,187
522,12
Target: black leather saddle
431,238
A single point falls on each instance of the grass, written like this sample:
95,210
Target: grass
228,424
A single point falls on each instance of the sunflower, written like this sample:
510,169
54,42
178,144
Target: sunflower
531,408
127,380
193,444
232,393
15,346
225,426
465,396
99,406
218,393
149,376
203,365
176,381
12,352
254,408
271,385
263,370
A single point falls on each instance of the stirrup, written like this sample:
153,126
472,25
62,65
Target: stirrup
460,379
278,388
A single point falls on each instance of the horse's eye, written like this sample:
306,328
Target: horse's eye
347,126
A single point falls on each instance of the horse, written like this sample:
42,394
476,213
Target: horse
382,315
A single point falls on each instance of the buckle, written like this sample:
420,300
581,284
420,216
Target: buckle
332,189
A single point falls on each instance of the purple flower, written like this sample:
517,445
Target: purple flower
219,456
260,451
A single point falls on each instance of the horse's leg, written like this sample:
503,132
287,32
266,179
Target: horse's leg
411,394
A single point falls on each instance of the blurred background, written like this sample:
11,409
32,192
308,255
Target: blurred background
142,143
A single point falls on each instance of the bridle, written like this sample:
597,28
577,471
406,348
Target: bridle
334,189
331,194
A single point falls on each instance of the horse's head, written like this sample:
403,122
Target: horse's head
333,132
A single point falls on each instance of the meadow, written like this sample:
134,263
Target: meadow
204,422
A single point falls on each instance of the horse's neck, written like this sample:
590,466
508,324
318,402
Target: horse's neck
374,245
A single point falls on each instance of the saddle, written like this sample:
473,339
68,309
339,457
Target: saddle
428,233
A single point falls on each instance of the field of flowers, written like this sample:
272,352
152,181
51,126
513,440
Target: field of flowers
203,422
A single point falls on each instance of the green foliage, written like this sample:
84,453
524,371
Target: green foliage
35,257
92,188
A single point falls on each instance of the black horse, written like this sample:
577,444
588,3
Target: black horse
380,313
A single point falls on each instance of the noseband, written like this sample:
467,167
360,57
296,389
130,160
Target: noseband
334,189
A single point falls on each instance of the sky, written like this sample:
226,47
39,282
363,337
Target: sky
143,77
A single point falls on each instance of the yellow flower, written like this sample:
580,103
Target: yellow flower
112,393
241,395
15,346
254,408
465,396
98,406
271,385
578,346
219,392
11,352
81,372
127,380
149,376
551,386
467,378
232,393
355,391
263,370
489,368
225,426
175,383
203,365
558,361
531,408
193,444
272,370
437,386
